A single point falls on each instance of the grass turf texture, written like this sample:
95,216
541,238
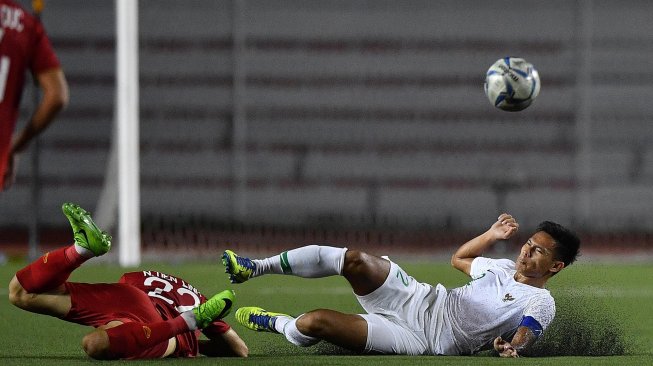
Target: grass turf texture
603,309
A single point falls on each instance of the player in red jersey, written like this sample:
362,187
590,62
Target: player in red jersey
24,46
146,314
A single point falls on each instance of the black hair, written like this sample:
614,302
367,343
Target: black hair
567,242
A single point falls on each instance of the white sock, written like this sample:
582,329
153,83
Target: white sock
83,251
311,261
294,336
281,321
189,317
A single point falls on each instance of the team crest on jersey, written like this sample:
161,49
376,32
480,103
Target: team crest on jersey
508,297
147,331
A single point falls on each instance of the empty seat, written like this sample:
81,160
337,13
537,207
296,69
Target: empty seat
621,208
437,208
532,206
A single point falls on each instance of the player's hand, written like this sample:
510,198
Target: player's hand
505,227
504,348
10,172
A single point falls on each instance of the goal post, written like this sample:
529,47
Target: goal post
127,124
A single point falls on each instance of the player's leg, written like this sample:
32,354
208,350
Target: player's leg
137,340
133,340
345,330
309,262
378,292
364,272
39,287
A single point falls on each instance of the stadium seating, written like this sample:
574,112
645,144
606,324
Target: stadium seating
357,110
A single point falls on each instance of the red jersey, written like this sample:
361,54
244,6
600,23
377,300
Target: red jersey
172,296
24,46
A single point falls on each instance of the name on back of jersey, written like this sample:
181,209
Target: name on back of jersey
170,278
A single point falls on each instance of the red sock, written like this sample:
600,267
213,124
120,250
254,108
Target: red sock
51,270
129,340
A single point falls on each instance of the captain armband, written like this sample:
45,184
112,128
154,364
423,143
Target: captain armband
532,324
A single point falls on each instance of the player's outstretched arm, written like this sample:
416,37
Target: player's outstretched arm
226,344
505,227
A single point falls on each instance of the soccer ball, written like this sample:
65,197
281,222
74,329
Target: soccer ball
512,84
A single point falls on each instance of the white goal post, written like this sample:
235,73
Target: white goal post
126,122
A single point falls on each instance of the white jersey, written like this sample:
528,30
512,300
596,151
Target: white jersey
492,304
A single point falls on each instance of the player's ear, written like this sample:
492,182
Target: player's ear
557,266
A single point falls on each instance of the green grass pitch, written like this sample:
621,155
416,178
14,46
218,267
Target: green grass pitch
602,308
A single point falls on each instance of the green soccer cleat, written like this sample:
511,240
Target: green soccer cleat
214,308
258,319
85,232
240,269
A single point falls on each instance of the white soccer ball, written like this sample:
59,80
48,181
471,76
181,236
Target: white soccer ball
512,84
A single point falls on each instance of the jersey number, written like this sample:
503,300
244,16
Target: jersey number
4,73
167,287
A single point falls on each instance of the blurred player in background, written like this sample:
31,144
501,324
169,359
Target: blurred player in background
504,300
24,46
147,314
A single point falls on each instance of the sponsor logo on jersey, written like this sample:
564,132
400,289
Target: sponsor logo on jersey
508,297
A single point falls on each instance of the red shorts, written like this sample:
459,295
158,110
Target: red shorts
97,304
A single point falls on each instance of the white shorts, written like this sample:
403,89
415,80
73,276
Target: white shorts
401,314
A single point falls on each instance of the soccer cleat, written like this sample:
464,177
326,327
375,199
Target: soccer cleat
85,233
257,319
240,269
214,308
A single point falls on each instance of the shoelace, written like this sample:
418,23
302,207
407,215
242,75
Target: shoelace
260,320
245,262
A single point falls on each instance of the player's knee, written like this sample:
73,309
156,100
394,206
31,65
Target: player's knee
355,262
96,345
18,296
314,323
361,264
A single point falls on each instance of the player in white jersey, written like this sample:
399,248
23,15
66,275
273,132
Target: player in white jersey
505,305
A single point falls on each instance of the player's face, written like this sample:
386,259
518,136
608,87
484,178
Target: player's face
536,258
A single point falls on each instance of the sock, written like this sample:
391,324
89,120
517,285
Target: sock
130,339
294,336
280,323
51,270
190,319
309,262
83,251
